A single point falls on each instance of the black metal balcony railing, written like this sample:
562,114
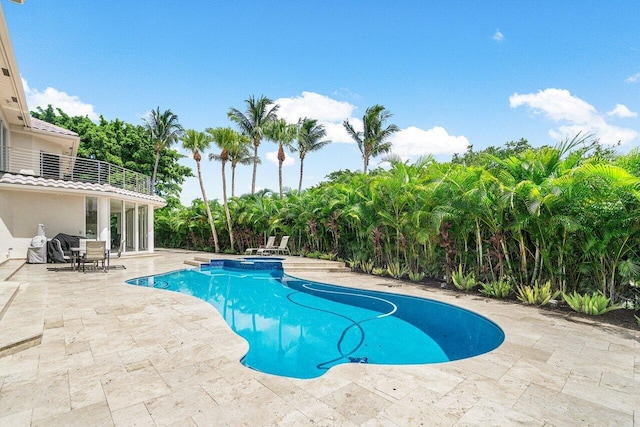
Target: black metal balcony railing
59,166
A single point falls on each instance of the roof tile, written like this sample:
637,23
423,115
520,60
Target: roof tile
48,127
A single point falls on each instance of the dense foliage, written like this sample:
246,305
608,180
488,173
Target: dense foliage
122,144
566,214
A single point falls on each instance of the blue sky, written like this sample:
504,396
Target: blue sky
452,73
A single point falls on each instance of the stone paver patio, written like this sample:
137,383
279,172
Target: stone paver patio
116,354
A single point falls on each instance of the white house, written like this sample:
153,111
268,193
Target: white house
43,182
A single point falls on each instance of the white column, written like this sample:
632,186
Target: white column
150,229
104,220
136,226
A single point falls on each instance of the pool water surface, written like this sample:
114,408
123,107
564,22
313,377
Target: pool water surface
296,328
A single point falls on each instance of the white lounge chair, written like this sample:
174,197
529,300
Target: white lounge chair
116,256
280,249
271,244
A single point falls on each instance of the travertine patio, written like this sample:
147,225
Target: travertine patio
116,354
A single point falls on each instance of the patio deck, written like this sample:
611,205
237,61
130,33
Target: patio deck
115,354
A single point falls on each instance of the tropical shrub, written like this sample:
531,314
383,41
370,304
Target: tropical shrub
464,283
416,276
397,270
378,271
352,264
536,294
498,289
565,214
366,266
594,304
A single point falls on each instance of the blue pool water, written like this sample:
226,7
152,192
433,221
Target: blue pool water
300,329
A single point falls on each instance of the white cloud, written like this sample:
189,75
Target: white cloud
498,36
621,110
415,142
633,79
556,104
337,133
70,104
289,160
574,115
409,142
313,105
327,111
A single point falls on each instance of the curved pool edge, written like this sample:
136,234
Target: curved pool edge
453,356
364,289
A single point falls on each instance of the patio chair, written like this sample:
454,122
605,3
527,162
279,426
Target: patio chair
271,244
116,256
96,253
281,249
59,252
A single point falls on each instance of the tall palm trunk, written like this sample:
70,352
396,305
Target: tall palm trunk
233,180
280,161
301,169
366,159
226,205
256,144
155,169
536,265
214,234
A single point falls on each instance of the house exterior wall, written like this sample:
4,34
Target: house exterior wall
21,213
36,142
6,226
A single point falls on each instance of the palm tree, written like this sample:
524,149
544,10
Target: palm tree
310,135
373,140
252,122
196,142
283,134
164,129
240,154
228,140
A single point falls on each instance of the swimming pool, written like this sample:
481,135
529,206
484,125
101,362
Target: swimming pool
300,329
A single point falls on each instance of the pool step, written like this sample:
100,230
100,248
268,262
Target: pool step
290,264
8,291
22,322
9,268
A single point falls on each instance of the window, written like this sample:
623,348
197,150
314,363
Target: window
130,223
91,217
143,221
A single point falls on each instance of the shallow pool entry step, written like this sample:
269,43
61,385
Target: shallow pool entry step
298,328
22,323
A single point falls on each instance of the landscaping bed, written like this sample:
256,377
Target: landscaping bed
623,317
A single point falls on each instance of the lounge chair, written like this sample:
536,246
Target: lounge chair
281,249
96,253
271,244
116,256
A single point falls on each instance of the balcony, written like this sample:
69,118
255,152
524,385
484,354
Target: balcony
58,166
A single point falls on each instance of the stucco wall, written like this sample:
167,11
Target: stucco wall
21,212
38,143
6,220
